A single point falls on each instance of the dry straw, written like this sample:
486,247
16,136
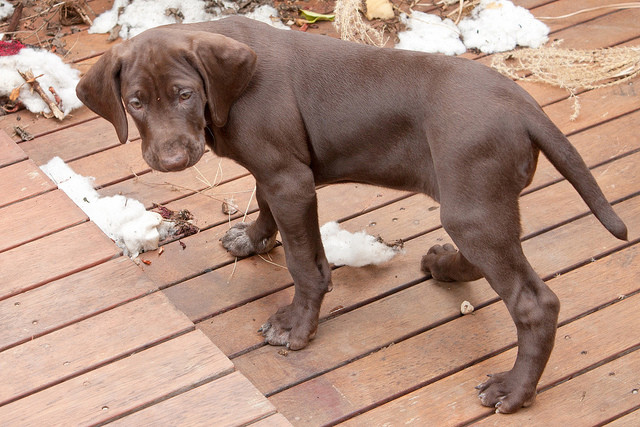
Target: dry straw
351,26
571,69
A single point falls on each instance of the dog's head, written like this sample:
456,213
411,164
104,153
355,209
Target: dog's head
173,83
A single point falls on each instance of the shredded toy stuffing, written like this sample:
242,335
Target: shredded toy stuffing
55,73
6,10
124,220
494,26
354,249
136,16
499,25
428,33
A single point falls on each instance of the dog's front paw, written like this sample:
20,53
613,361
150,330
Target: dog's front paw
504,392
290,326
238,242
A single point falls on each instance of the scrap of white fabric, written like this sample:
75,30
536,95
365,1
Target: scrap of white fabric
136,16
354,249
428,33
124,220
6,10
499,26
55,73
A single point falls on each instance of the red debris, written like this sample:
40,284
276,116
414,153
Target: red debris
11,47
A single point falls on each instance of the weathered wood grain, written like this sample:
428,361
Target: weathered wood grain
123,386
70,299
22,180
83,346
53,257
242,405
9,151
37,217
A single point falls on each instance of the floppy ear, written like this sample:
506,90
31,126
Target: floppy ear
99,89
226,66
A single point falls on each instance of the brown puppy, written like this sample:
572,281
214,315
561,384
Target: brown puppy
448,127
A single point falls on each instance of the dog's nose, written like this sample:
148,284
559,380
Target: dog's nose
175,162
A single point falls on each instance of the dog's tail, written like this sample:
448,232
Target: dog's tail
566,159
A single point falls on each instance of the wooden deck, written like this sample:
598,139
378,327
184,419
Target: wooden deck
89,337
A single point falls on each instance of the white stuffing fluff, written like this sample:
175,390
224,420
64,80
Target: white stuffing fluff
140,15
54,72
6,10
428,33
353,249
499,25
124,220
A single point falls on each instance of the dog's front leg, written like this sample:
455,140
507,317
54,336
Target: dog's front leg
258,237
293,202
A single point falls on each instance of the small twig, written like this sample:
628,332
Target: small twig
632,5
235,264
56,97
249,204
29,78
272,263
15,19
203,179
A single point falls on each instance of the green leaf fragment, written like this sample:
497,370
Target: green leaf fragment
312,17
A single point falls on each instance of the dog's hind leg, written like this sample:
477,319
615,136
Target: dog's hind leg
487,232
258,237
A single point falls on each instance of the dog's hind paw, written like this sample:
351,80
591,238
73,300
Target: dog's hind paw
504,393
238,242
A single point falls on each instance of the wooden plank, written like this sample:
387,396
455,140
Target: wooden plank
443,352
564,7
123,386
37,125
275,420
116,164
9,151
83,346
36,217
203,251
71,299
631,419
22,180
85,48
54,257
595,106
548,253
76,141
229,401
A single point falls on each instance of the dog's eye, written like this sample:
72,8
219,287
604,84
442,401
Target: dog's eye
185,95
135,103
